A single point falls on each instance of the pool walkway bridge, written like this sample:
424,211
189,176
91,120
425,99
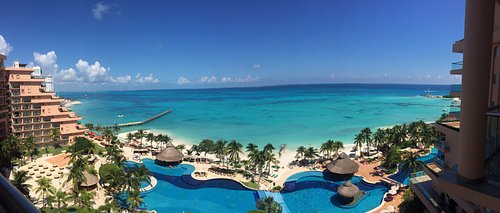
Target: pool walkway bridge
137,123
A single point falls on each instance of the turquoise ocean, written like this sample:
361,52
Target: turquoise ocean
293,115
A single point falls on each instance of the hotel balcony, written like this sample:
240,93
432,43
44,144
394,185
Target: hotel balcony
456,68
485,194
441,145
456,90
422,186
458,46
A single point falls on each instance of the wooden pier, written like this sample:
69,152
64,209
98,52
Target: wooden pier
137,123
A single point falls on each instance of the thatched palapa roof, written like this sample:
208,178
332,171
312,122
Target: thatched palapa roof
90,179
343,165
170,154
348,190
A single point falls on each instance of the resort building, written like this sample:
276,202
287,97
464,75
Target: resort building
466,176
29,106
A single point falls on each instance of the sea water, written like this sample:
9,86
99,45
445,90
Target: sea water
293,115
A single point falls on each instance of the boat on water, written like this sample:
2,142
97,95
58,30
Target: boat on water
120,115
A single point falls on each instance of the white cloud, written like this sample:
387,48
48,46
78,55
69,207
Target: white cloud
5,47
100,9
122,79
47,61
332,76
68,75
145,79
84,72
93,73
256,66
427,76
208,79
239,80
182,81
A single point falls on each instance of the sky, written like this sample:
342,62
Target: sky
115,45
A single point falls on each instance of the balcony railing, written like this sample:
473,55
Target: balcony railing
457,65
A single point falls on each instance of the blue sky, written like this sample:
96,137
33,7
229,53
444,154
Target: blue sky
198,43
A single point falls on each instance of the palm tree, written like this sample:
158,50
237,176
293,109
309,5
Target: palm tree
9,150
55,136
269,148
251,147
142,174
391,157
28,146
337,145
19,181
116,181
140,134
61,198
150,137
358,142
366,135
206,146
220,150
44,187
87,199
268,205
130,136
310,153
411,163
258,160
270,158
181,147
116,129
134,200
107,134
328,147
234,150
379,138
300,152
89,126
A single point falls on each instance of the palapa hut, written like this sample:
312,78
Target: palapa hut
347,192
90,181
170,155
342,168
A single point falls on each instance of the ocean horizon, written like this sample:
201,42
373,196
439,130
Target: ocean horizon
303,114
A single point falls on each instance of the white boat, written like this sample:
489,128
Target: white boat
120,115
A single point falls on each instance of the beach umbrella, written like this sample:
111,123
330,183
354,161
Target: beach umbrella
348,190
343,165
90,179
170,154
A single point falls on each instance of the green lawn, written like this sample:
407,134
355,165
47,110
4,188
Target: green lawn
251,185
51,150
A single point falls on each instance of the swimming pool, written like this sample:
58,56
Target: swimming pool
311,192
177,191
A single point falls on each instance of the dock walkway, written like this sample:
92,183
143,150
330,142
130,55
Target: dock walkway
137,123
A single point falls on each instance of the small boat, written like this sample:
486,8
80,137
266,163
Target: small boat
120,115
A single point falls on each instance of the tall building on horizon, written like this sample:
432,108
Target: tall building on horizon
29,106
466,175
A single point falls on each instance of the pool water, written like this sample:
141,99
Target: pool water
312,193
177,191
